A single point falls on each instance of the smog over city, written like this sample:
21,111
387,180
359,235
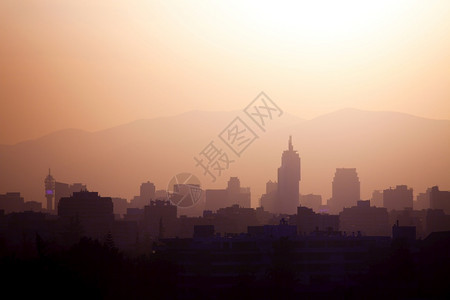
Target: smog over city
225,149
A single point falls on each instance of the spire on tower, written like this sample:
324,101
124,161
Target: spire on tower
290,143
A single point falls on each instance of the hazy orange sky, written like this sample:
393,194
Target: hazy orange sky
96,64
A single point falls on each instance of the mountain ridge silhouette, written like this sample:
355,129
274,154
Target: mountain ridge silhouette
387,148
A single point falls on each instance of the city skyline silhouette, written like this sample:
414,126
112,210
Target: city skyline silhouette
286,245
363,132
225,150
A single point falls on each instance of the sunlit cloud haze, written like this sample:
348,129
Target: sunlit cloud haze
96,64
187,68
205,149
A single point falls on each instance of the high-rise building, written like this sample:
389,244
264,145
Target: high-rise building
312,201
14,203
77,187
32,206
234,186
436,220
369,220
237,194
422,200
160,218
410,217
233,194
66,190
345,190
309,221
120,206
61,190
406,233
49,190
161,194
288,181
94,213
440,199
11,202
377,198
398,199
234,219
147,192
268,200
271,187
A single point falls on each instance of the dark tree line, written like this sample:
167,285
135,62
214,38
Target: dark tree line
98,270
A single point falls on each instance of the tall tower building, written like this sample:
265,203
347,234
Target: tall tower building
345,190
49,190
234,186
288,181
147,193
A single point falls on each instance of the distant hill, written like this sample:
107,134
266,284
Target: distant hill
387,148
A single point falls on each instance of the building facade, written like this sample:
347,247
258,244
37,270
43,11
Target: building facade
345,190
288,182
398,198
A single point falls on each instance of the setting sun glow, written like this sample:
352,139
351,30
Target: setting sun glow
143,59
